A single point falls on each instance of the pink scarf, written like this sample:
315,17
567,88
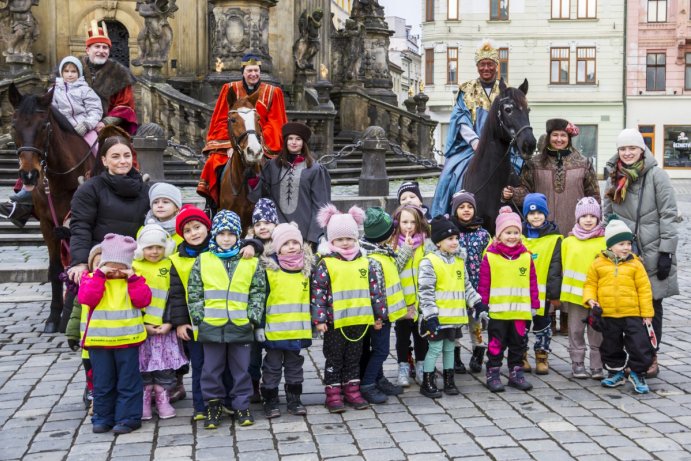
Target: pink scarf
418,239
582,234
348,255
292,262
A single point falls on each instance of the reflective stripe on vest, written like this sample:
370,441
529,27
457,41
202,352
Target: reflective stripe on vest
576,258
409,277
450,290
350,290
114,322
395,301
288,306
542,249
183,266
509,291
225,299
157,277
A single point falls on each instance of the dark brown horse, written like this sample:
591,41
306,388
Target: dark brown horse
507,128
52,156
246,159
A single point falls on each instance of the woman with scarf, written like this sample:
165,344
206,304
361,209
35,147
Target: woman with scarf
642,196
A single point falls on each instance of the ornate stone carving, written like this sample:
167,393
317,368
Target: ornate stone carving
156,37
231,33
307,45
19,30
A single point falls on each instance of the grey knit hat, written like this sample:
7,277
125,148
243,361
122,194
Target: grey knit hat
165,190
630,137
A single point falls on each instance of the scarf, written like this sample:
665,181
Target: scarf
168,226
471,226
418,239
292,262
226,254
125,185
582,234
623,177
559,154
194,250
348,255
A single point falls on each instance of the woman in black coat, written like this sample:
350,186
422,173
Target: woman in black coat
116,200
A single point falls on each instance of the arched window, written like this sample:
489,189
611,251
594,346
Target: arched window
120,51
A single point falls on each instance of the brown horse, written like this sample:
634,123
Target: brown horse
52,156
246,159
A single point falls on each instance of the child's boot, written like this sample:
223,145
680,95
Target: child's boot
387,387
449,384
477,358
563,323
638,381
541,362
214,413
494,380
352,395
179,392
146,409
458,366
293,393
404,374
334,400
163,407
256,395
429,387
615,379
419,372
372,394
270,402
517,380
525,365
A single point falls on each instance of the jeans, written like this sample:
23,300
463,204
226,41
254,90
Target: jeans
196,357
118,387
378,351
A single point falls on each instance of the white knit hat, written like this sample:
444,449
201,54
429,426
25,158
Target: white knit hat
165,190
617,231
630,137
153,235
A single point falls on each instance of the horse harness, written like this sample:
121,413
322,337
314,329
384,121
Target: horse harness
235,142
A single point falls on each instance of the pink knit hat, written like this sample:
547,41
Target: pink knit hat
339,224
117,248
507,218
284,232
588,205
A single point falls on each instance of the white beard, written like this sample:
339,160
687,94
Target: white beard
99,61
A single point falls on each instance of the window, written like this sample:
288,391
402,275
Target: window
657,10
586,142
429,10
499,10
504,64
429,66
648,132
677,146
587,9
655,72
687,72
452,65
559,65
561,9
585,65
452,10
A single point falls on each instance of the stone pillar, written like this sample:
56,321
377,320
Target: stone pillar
374,181
150,155
20,30
237,27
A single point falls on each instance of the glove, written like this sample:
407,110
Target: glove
594,318
81,129
73,344
664,265
430,327
480,308
259,335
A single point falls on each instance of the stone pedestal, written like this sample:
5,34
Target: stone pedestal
153,72
323,88
150,155
374,181
18,64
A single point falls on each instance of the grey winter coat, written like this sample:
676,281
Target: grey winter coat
78,102
427,280
657,230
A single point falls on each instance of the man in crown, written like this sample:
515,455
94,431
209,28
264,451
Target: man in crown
468,116
272,116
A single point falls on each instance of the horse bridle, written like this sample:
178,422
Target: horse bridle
237,139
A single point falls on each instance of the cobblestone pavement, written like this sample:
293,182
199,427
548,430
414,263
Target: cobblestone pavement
42,416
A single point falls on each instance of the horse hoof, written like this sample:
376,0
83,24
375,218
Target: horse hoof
51,327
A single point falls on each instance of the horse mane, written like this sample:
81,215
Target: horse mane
30,104
62,121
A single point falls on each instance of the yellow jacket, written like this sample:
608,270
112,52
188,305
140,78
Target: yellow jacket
622,288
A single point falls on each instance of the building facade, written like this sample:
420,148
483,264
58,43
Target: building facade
404,51
571,52
658,78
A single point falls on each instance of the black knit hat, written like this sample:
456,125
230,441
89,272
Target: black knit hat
442,228
410,186
297,128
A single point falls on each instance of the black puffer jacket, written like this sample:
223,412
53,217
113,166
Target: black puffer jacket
106,203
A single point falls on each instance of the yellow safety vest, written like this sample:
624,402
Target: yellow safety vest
157,277
409,277
183,266
350,291
576,258
225,299
288,306
395,302
450,290
542,249
509,291
114,322
82,326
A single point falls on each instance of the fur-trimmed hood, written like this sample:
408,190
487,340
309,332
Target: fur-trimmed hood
108,79
269,262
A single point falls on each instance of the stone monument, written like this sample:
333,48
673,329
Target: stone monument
19,30
155,38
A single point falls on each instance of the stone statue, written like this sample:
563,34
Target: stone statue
19,27
355,34
155,38
307,45
367,8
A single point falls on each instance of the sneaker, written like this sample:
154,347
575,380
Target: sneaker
372,394
125,428
214,413
404,374
578,371
199,415
615,379
388,388
419,372
244,417
100,428
597,373
638,381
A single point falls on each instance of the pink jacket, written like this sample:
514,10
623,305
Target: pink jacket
92,287
508,253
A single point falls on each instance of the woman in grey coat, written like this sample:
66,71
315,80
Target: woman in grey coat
641,194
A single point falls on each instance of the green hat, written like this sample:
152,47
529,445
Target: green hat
378,225
617,231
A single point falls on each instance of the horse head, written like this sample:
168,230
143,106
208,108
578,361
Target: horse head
31,132
243,127
512,112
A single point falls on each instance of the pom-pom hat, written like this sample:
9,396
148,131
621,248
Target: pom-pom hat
340,225
586,206
507,218
117,248
190,213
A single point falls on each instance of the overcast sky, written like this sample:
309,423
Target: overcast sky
408,9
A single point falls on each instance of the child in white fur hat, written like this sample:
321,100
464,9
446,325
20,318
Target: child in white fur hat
162,353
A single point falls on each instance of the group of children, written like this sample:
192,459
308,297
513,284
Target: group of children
192,290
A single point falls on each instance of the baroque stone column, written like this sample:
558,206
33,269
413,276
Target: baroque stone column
237,27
